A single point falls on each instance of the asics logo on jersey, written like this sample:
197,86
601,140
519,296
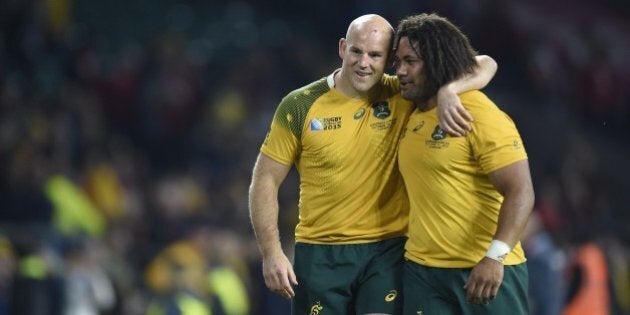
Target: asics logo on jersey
418,126
359,114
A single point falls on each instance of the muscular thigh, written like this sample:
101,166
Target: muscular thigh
426,292
440,291
325,278
379,289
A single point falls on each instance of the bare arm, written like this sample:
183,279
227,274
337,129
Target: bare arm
452,115
267,177
515,184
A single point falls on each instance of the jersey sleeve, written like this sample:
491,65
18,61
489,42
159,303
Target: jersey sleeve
282,142
496,140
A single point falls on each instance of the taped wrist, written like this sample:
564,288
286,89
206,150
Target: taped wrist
498,251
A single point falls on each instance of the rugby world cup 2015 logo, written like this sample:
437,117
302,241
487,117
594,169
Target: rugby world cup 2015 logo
317,124
326,123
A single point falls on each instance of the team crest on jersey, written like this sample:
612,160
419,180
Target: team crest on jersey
436,139
326,123
381,109
359,114
438,133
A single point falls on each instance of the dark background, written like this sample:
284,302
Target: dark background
153,112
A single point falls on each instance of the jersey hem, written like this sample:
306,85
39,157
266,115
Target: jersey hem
349,242
455,264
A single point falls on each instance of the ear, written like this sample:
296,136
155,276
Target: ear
390,59
391,56
342,48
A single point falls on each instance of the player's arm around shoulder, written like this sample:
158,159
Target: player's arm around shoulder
267,177
452,115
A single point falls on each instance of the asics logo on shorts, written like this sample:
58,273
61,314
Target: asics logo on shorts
391,295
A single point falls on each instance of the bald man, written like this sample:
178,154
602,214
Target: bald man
342,133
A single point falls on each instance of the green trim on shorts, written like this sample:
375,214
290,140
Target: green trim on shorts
440,291
349,279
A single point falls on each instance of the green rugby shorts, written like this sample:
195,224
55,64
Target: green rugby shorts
349,279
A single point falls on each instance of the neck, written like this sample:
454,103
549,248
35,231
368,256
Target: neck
426,105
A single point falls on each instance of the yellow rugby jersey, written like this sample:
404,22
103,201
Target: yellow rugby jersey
454,205
345,152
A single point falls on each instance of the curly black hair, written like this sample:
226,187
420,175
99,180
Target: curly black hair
445,50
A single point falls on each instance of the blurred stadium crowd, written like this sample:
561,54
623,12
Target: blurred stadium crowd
128,130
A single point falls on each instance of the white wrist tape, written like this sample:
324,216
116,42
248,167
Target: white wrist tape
498,250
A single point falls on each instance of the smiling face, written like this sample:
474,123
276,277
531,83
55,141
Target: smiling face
430,52
409,70
364,52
